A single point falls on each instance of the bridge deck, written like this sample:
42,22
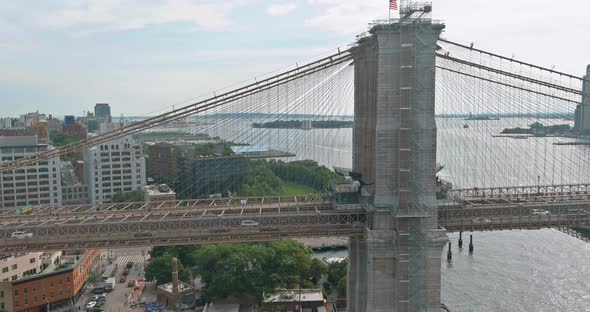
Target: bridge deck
178,225
203,221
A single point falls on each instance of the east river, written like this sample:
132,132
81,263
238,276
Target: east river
541,270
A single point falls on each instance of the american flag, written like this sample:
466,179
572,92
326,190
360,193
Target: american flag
393,4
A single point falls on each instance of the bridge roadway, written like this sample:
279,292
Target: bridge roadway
176,223
203,221
509,211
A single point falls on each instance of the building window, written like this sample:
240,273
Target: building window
26,300
32,260
51,284
4,270
59,282
52,294
61,292
67,279
16,292
1,293
14,267
16,303
35,299
25,290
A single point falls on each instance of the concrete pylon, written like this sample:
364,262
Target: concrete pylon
397,266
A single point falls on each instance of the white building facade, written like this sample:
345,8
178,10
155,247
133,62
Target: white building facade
112,167
38,184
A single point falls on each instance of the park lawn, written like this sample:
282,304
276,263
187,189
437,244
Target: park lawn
292,189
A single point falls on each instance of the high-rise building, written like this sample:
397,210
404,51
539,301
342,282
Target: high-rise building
102,111
112,167
6,122
31,185
68,119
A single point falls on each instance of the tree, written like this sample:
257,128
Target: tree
160,270
184,253
336,271
128,197
236,269
318,268
341,287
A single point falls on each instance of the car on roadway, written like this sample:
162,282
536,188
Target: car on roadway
482,220
90,304
540,212
95,298
125,272
122,279
131,283
249,223
21,234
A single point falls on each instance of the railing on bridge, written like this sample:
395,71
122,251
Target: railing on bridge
519,191
176,226
529,212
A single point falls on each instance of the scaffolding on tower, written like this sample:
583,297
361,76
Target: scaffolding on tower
412,11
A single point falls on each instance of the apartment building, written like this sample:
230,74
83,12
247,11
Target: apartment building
31,185
112,167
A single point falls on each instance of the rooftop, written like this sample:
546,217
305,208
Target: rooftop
162,189
295,295
66,263
19,141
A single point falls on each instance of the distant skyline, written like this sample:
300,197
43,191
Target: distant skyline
142,57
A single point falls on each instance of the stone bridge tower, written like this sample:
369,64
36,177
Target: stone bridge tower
397,266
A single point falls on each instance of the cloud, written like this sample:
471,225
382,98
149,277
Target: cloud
92,16
346,16
280,9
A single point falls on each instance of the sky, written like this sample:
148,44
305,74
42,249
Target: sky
142,57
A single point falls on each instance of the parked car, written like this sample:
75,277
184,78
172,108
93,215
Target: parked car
21,234
248,223
126,272
122,279
90,304
131,283
95,298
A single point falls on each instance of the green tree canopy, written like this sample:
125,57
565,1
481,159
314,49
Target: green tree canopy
317,269
160,270
184,253
336,271
235,269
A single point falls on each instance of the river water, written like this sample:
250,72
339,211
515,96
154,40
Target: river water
541,270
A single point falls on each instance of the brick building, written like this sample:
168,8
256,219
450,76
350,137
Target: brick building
75,129
57,286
